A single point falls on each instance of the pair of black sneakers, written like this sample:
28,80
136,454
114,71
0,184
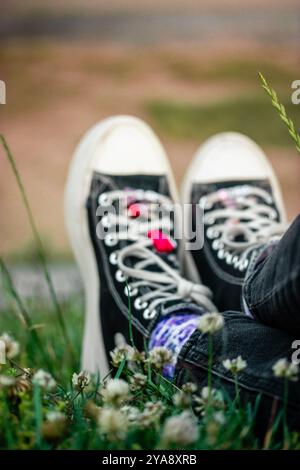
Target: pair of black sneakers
142,250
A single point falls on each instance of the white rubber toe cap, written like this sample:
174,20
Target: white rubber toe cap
230,156
129,147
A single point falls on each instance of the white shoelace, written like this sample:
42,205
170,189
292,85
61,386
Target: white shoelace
165,282
242,216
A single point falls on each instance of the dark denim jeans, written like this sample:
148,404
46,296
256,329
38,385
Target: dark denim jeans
272,293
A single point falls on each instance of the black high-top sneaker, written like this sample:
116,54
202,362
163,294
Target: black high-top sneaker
120,217
232,184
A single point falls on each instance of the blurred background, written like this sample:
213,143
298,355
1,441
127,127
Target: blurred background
188,68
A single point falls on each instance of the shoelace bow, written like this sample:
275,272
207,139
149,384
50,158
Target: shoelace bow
165,282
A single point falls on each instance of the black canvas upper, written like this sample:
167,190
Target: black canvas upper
224,279
114,304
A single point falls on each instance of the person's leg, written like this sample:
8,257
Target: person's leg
272,288
262,335
272,297
232,182
261,346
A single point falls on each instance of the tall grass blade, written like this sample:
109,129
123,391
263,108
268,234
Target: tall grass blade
130,317
281,111
10,288
37,414
40,248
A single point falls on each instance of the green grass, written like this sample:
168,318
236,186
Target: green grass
251,115
235,70
23,412
28,253
44,323
91,417
281,111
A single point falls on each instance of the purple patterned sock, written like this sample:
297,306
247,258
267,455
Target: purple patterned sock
172,333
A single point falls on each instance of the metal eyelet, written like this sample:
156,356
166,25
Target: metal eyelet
273,214
120,277
204,203
105,221
217,244
229,258
140,305
269,199
244,265
104,200
212,233
110,240
149,314
129,291
113,258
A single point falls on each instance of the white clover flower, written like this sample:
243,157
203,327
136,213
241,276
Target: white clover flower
209,397
180,430
219,417
213,427
280,367
27,373
132,413
55,417
189,387
7,381
235,365
81,381
115,392
206,393
136,356
210,323
159,357
137,381
12,347
119,354
182,400
44,380
112,422
152,413
283,368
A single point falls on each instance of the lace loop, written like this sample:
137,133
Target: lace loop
164,284
243,222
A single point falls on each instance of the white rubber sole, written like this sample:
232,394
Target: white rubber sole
85,161
204,168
